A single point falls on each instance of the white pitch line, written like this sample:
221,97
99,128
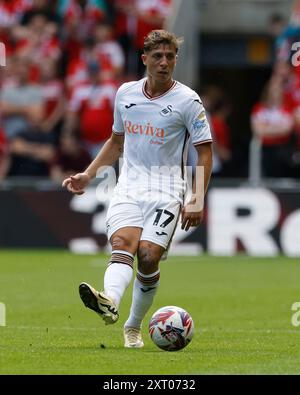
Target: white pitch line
201,330
250,330
48,328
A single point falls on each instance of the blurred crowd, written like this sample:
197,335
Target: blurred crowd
65,60
275,118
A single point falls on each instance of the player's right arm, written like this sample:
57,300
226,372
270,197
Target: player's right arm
109,154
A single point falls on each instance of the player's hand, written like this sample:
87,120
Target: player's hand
190,216
77,183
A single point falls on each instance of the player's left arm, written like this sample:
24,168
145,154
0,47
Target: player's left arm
192,212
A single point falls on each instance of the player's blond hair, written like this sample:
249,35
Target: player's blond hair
157,37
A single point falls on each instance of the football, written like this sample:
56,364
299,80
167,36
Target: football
171,328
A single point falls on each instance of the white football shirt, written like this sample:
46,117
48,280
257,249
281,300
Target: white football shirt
157,131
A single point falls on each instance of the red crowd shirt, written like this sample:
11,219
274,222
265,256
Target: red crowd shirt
52,92
221,131
292,91
95,107
292,98
161,8
110,55
279,119
3,143
122,18
47,48
76,75
11,11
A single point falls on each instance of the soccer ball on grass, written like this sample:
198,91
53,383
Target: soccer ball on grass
171,328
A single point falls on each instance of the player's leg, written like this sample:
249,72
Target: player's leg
119,272
144,290
117,276
124,224
160,219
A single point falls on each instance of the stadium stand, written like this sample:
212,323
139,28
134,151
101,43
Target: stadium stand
57,53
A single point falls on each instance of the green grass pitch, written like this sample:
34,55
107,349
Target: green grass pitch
241,308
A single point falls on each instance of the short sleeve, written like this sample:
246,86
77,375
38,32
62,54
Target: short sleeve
196,121
118,127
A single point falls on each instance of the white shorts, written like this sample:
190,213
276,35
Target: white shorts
158,219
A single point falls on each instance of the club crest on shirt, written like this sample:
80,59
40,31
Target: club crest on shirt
166,112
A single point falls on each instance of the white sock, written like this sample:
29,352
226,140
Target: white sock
118,275
144,290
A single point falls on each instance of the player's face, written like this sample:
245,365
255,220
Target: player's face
160,62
